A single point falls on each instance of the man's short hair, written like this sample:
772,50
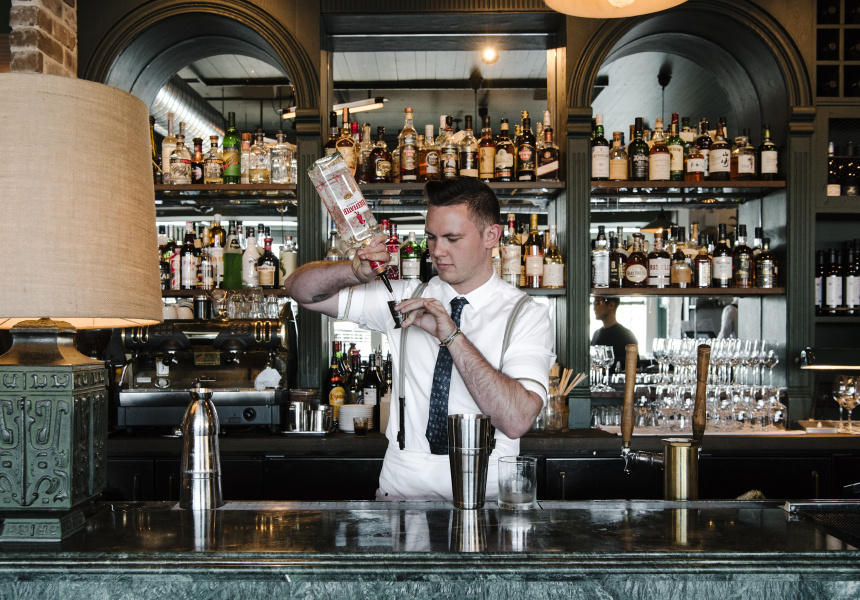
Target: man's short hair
480,199
613,300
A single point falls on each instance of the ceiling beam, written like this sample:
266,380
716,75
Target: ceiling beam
442,84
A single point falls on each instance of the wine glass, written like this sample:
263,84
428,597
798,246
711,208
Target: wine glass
596,362
848,399
770,361
608,361
750,359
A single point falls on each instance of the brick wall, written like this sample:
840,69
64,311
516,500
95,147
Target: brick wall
44,37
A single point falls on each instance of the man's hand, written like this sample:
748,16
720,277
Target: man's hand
373,252
428,314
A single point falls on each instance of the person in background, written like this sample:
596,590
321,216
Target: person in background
729,321
612,333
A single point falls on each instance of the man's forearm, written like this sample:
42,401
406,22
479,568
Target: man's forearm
318,281
512,407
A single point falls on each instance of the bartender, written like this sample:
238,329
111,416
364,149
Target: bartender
453,349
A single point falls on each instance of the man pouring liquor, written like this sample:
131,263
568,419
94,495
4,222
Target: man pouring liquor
453,350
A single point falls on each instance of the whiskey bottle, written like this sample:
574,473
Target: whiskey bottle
600,261
334,133
533,255
526,158
768,156
758,235
659,158
703,143
547,165
675,144
258,157
636,274
743,159
505,153
197,161
702,268
617,158
553,263
599,152
719,157
407,143
721,262
637,153
410,258
833,283
449,151
766,270
268,267
213,163
230,151
742,260
511,254
380,159
486,152
180,163
429,155
681,275
617,264
694,164
467,152
659,264
345,144
362,168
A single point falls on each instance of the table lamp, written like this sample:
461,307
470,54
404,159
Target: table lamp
78,252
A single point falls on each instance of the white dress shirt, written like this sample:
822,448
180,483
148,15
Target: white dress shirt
415,473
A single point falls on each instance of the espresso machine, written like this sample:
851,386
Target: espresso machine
226,356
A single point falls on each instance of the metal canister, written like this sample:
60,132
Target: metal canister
201,460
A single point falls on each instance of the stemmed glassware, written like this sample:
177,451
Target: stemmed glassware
771,359
848,398
602,358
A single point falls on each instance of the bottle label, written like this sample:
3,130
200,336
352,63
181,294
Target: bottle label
408,162
618,169
166,151
818,293
382,168
289,262
370,396
658,166
640,166
207,274
189,270
706,153
548,164
722,268
681,273
746,164
449,162
852,291
534,265
834,189
212,170
468,163
616,272
553,275
526,163
175,270
765,274
180,170
231,161
769,161
504,163
695,165
347,151
432,160
336,397
659,271
600,269
410,268
743,269
636,273
511,259
720,160
486,162
266,274
676,160
599,161
703,274
833,292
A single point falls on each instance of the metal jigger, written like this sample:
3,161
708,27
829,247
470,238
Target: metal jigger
680,457
201,460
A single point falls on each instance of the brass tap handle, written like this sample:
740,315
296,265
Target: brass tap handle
629,386
700,407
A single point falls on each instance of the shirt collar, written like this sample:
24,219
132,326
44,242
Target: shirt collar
477,298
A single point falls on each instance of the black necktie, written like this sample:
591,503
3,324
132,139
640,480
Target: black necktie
437,425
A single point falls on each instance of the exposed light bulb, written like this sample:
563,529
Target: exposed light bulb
489,55
621,3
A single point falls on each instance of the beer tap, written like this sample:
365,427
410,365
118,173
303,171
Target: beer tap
680,457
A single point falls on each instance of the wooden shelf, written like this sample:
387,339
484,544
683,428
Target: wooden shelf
838,205
691,292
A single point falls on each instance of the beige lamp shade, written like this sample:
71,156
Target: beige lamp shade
610,9
76,204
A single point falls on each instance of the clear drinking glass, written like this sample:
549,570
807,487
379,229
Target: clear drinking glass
517,482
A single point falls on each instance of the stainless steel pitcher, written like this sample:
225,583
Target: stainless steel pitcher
201,460
470,442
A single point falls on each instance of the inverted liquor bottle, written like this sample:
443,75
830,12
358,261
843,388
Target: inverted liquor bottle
768,156
505,153
675,144
526,166
230,151
721,262
618,166
659,158
407,143
533,255
636,274
486,152
638,153
599,152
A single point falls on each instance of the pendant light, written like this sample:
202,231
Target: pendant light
661,222
610,9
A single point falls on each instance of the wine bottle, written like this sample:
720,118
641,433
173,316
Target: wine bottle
820,274
833,283
230,151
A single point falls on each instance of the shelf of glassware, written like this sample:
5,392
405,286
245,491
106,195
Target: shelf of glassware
690,292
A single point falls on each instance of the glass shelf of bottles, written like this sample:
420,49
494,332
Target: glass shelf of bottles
279,292
705,292
531,193
667,194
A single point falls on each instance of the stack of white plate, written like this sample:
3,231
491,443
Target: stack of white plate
347,412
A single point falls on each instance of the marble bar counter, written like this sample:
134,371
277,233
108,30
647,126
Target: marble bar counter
581,550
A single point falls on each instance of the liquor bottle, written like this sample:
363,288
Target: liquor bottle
407,143
156,159
768,156
258,157
429,157
691,246
617,158
334,392
553,263
168,145
334,251
245,159
636,273
345,144
617,264
834,187
250,278
505,153
766,270
681,274
675,144
526,166
448,150
486,152
354,393
380,159
702,268
719,157
216,250
392,269
600,261
721,261
428,269
334,133
820,274
758,235
599,152
268,267
288,257
180,163
206,267
548,163
659,264
213,163
511,254
371,385
695,163
743,159
533,255
851,284
230,151
659,158
638,153
703,143
281,159
833,283
410,258
232,261
189,256
197,161
467,152
742,260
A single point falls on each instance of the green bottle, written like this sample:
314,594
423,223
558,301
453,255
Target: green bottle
230,151
232,261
